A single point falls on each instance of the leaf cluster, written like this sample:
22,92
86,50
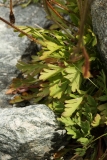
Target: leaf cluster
55,76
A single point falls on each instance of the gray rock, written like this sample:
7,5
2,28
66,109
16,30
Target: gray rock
14,2
99,18
30,133
12,48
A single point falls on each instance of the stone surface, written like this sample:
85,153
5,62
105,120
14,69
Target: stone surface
29,133
18,2
14,2
99,18
12,47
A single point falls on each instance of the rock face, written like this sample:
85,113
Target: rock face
99,18
15,2
28,133
12,47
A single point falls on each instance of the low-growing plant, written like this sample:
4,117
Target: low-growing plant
66,74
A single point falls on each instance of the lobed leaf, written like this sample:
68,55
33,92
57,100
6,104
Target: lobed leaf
66,120
96,121
74,76
48,73
71,106
58,89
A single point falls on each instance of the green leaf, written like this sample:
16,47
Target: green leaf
102,107
26,4
24,82
57,90
30,68
35,58
80,151
74,76
85,127
71,132
46,55
83,141
91,101
71,106
101,81
103,112
48,73
102,98
96,121
94,42
43,92
58,106
52,47
74,19
16,99
74,132
37,99
93,37
66,120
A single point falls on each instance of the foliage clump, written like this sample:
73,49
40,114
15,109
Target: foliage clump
66,74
